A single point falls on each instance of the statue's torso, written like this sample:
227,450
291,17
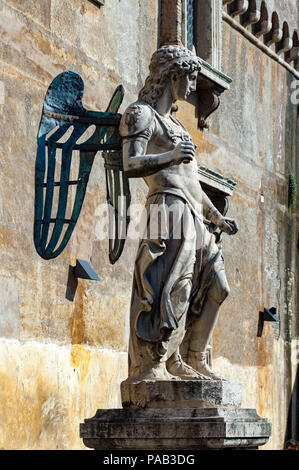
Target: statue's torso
182,179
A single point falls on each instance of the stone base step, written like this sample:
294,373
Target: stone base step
175,429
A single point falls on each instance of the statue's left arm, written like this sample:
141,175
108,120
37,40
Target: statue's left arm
210,212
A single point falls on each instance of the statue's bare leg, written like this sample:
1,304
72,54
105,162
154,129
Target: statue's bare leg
202,328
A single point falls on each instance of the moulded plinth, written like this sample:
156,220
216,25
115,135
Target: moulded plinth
175,429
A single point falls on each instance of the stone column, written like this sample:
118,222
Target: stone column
171,22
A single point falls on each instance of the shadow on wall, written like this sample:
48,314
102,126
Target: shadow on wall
72,284
292,426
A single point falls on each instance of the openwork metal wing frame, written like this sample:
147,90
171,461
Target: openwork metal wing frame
118,199
64,121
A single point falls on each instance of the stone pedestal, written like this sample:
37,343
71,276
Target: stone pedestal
175,429
177,415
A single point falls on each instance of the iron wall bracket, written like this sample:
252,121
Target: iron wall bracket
269,314
83,270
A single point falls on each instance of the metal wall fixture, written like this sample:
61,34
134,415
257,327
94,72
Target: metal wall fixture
98,2
83,270
269,314
64,121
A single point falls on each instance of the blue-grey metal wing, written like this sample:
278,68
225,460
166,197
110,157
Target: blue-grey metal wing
118,199
64,116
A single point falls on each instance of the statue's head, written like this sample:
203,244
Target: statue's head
175,66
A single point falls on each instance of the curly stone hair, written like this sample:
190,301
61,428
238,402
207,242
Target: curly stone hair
166,61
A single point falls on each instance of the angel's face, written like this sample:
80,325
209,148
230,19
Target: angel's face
183,85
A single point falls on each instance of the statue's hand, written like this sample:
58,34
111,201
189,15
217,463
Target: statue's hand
184,152
228,226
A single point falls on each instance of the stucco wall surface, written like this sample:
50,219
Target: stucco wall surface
63,347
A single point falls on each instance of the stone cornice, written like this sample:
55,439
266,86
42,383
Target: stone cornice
216,180
265,26
210,74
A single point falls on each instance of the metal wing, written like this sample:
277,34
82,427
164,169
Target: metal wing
65,117
118,199
118,194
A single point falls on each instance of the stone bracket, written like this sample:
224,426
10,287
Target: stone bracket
210,84
237,7
250,17
208,102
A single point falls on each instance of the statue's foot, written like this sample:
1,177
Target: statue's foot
157,372
198,361
179,368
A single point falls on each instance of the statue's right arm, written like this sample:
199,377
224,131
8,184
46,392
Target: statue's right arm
137,128
139,164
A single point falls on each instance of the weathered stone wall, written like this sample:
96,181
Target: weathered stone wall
63,350
253,141
61,359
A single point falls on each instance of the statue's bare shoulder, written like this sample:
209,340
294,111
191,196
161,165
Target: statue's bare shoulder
137,118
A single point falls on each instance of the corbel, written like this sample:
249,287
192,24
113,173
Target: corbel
264,25
238,7
252,15
211,83
208,102
275,34
293,54
286,42
261,28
